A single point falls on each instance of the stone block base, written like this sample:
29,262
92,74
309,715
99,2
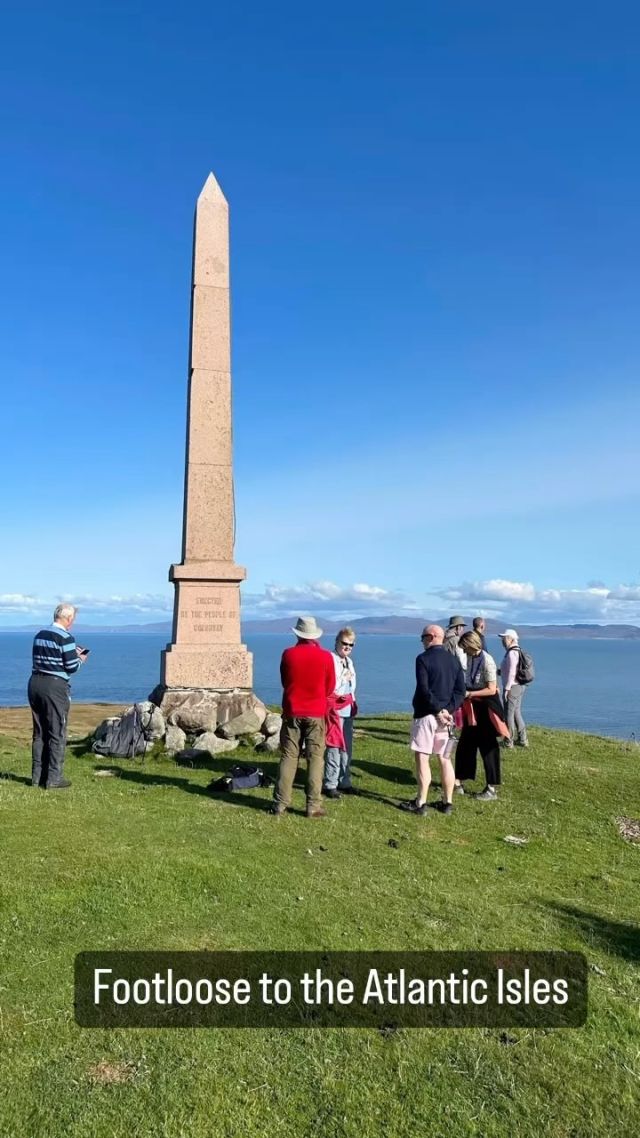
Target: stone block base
203,709
222,667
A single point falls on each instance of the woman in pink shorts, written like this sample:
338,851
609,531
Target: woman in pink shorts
440,689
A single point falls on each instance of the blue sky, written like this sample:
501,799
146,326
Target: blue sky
435,273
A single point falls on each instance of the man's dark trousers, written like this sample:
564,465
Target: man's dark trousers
49,698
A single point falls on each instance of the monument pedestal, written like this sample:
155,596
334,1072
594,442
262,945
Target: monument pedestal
206,651
229,668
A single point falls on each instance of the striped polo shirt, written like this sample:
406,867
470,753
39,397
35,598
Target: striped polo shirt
54,652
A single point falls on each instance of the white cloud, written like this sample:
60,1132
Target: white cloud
325,597
521,600
135,603
494,590
91,607
20,603
625,593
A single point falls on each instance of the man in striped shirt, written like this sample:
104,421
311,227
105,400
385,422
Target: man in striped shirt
55,658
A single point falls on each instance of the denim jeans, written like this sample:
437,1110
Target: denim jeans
337,763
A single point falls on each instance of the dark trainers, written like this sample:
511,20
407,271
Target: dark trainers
445,807
413,808
486,795
64,784
331,792
348,790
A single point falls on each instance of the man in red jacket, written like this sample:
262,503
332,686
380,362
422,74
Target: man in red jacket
308,679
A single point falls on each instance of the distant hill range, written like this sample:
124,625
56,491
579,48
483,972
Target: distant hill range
413,625
381,625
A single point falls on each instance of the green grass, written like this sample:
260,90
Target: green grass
149,860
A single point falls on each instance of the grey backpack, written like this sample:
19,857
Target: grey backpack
122,737
525,670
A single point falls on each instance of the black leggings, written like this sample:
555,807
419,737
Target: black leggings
482,737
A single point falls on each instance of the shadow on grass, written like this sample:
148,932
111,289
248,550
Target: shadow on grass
9,776
386,735
613,936
81,748
401,775
222,764
232,798
396,803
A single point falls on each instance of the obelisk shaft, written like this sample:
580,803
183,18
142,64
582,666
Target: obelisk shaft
206,651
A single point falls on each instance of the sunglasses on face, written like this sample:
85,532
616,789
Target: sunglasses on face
346,644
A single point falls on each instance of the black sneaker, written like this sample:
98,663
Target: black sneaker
331,793
413,808
445,807
349,790
64,784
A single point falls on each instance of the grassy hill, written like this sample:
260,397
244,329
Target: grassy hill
148,859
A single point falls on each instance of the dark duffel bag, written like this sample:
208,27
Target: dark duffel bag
240,778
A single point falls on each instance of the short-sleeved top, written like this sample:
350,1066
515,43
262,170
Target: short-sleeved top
480,672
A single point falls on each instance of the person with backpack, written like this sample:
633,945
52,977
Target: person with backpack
513,672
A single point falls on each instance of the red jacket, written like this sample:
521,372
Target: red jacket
308,679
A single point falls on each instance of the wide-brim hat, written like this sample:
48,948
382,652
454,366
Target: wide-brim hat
457,620
306,628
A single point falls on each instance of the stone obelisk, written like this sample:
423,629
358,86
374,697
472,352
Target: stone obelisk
206,651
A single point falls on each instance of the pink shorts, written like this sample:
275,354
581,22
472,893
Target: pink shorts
427,737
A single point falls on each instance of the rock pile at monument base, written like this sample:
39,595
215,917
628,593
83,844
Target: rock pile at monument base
190,721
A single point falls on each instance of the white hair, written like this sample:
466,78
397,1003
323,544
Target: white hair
65,611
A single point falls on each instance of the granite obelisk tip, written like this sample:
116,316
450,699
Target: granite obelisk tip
211,191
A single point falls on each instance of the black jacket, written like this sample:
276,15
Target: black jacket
440,683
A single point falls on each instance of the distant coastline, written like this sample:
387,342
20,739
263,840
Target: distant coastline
378,626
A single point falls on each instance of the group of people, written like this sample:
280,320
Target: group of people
457,711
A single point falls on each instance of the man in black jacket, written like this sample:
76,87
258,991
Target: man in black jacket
440,689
